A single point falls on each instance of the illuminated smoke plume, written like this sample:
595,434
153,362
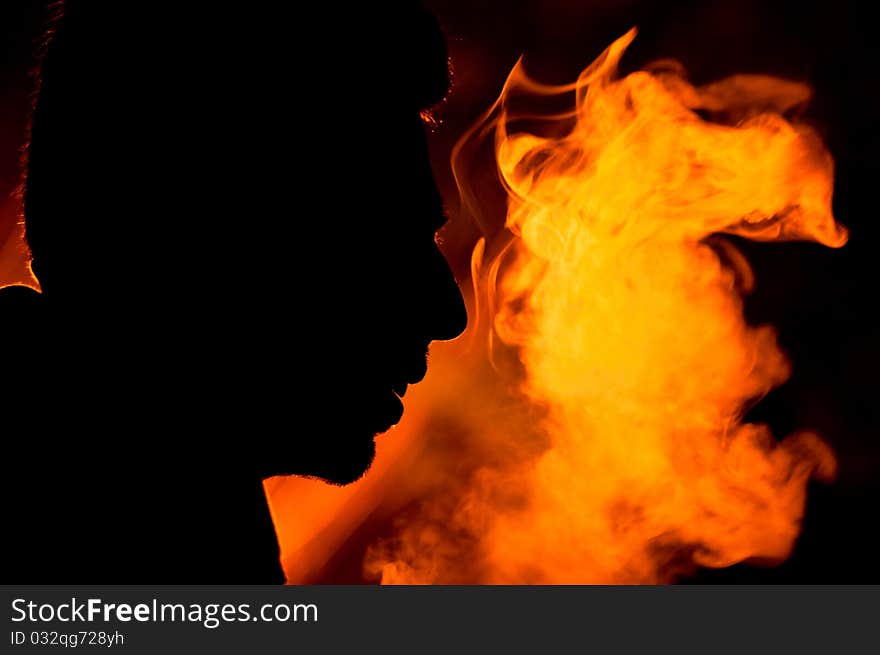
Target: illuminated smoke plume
613,449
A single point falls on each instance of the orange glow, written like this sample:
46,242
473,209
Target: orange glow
15,257
600,438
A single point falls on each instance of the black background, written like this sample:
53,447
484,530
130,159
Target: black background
821,300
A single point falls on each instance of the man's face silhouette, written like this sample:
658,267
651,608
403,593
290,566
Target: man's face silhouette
369,292
357,286
247,215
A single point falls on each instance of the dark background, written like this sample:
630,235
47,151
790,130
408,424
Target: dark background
821,300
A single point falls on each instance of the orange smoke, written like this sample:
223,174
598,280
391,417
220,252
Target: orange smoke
15,257
605,443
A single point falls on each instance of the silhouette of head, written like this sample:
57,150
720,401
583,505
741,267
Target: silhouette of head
247,196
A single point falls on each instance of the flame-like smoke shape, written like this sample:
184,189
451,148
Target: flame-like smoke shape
625,459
